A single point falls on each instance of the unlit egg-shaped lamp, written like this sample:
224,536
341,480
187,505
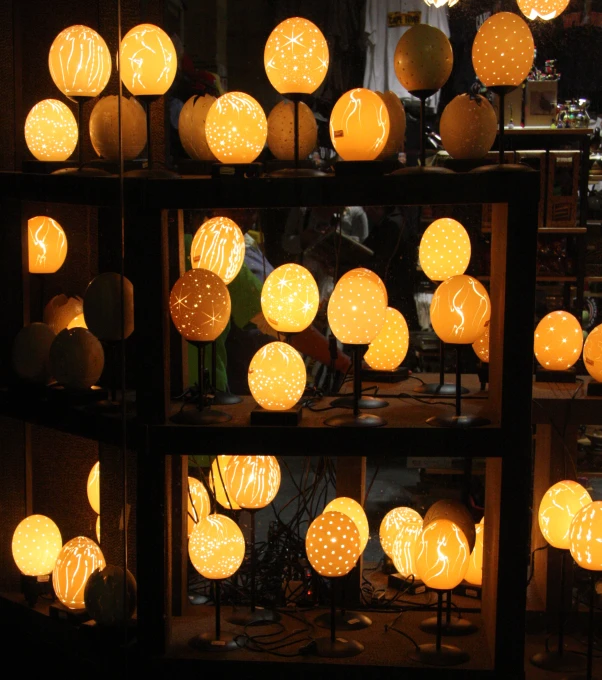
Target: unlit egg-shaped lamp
558,343
104,128
391,525
198,504
51,131
78,558
592,360
217,482
31,353
47,245
77,360
109,598
281,130
542,9
468,127
290,298
191,127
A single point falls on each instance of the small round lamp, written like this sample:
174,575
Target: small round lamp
93,487
36,545
253,481
290,298
559,505
444,249
542,9
76,359
219,246
217,483
47,245
31,352
104,596
558,341
78,558
102,307
191,127
403,552
397,124
277,376
61,310
391,525
585,537
389,348
468,127
474,574
281,130
104,128
354,511
51,131
199,503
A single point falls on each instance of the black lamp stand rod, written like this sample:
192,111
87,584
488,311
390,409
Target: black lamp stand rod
149,151
253,565
441,362
561,613
332,612
80,136
217,597
422,131
201,374
501,117
439,620
357,379
590,637
458,382
296,135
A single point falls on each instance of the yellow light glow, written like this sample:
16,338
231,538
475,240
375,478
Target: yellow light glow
444,249
31,352
355,512
391,525
36,545
333,544
277,376
503,50
290,298
560,503
592,353
423,59
296,57
585,537
468,127
102,306
481,345
357,308
98,529
558,341
363,273
281,131
474,574
199,503
77,359
441,3
148,60
79,62
442,555
104,128
78,558
191,127
61,310
219,246
359,125
390,346
236,128
47,245
403,552
542,9
217,480
253,480
397,124
199,305
93,487
51,131
216,547
460,310
77,322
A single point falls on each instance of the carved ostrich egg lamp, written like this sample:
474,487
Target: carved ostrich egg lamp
460,310
354,511
559,505
468,127
51,131
93,487
78,558
444,249
390,346
191,127
31,352
47,245
61,310
277,376
105,593
585,537
253,481
397,124
290,298
391,525
104,128
148,61
217,483
592,360
557,345
542,9
219,246
36,545
76,359
102,307
403,551
199,504
281,130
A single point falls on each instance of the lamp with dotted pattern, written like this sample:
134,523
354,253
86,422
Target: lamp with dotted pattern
558,343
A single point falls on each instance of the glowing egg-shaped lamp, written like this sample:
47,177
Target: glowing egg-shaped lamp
148,61
444,249
403,550
281,131
47,245
460,310
218,483
93,487
199,305
79,62
474,573
277,376
296,57
354,511
558,341
442,555
253,480
585,537
61,310
390,346
102,307
363,273
219,246
216,547
391,525
592,353
423,59
455,511
191,127
481,346
397,124
333,544
359,125
104,595
290,298
104,128
199,503
76,359
78,558
51,131
31,352
468,127
36,545
236,128
559,505
542,9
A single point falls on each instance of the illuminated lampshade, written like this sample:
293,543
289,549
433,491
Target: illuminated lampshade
503,50
199,504
542,9
51,131
290,298
390,346
455,511
354,511
592,353
481,345
102,306
61,310
216,547
98,528
104,128
391,525
281,131
104,595
359,125
468,127
474,574
236,128
585,537
442,555
93,487
357,307
333,544
423,59
218,245
79,62
76,359
199,305
558,341
397,124
191,127
36,545
253,480
560,503
47,245
460,310
77,322
31,352
296,57
217,480
78,558
403,551
444,249
441,3
277,376
363,273
148,60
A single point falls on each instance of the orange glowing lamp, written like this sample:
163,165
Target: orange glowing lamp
355,512
558,341
199,504
78,558
290,298
403,552
390,346
277,376
333,544
217,482
442,555
253,481
216,547
47,245
559,505
148,61
592,353
51,131
444,249
542,9
392,524
36,545
585,537
219,246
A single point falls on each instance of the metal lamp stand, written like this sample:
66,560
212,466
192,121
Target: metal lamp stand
334,647
217,641
441,388
451,625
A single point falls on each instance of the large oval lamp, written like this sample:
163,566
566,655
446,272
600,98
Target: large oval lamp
468,127
397,125
277,376
47,245
219,246
77,359
78,558
557,343
51,131
290,298
104,128
217,482
281,130
392,524
191,127
31,352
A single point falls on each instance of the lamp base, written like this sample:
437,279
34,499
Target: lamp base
33,587
206,642
503,167
343,621
566,662
361,420
244,616
366,168
422,170
58,610
364,402
396,375
459,422
152,173
261,416
567,376
225,398
439,389
194,416
296,172
446,655
60,394
236,170
83,172
340,648
455,627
